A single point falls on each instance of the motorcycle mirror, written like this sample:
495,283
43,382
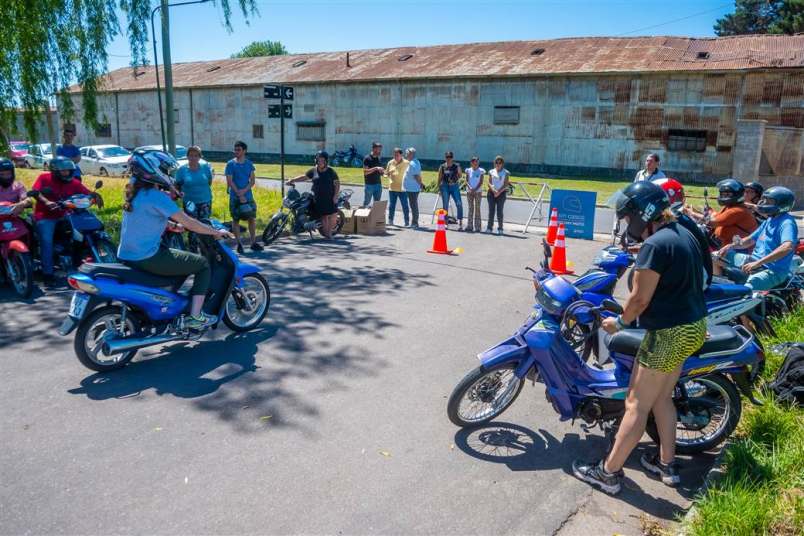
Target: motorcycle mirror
611,306
99,185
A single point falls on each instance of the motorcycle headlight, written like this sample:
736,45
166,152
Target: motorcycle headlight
549,304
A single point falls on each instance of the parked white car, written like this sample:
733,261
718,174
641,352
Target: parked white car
39,155
181,152
104,160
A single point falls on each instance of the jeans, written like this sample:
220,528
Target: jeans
45,230
403,200
413,201
760,280
496,205
371,193
474,199
453,191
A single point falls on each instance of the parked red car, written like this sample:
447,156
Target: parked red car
17,152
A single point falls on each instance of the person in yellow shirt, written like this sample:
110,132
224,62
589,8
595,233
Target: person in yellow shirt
395,171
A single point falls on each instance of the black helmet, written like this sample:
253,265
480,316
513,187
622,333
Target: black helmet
730,192
154,167
62,168
322,154
776,200
642,203
6,178
757,187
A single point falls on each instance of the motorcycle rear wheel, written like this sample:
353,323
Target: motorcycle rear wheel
274,229
720,399
19,268
493,390
92,333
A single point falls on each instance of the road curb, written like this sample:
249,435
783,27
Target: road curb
714,474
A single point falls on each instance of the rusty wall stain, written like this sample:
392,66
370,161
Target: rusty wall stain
772,92
647,123
792,117
691,117
622,91
588,113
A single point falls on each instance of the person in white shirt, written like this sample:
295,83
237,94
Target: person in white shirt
412,183
474,194
651,171
498,191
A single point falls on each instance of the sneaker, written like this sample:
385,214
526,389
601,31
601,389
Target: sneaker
240,248
199,322
489,230
594,474
256,247
499,232
667,473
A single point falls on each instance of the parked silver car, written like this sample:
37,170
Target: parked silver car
39,155
104,160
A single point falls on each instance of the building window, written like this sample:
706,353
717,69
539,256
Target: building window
506,115
686,140
256,131
103,130
310,131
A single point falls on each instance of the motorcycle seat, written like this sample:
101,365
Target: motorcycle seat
718,339
128,274
726,291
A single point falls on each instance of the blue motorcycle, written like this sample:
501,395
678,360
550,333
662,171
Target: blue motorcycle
119,310
706,396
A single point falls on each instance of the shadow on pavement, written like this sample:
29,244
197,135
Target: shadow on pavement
522,449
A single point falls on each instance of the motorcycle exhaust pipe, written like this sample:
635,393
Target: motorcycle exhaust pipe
121,346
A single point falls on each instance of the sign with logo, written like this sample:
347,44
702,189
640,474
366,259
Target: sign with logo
576,210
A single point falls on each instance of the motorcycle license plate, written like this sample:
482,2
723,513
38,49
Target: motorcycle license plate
78,305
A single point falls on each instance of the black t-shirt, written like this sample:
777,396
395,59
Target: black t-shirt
323,183
371,161
673,253
690,225
449,173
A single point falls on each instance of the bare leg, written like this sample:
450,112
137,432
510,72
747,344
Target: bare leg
236,230
646,385
196,304
664,411
252,230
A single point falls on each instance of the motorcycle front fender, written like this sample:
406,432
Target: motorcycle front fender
509,351
244,270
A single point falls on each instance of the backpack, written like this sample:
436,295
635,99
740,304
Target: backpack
788,386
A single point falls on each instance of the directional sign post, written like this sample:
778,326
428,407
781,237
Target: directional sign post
282,111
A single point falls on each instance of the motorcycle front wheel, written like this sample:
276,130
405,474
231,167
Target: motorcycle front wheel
707,417
246,311
19,268
274,229
483,394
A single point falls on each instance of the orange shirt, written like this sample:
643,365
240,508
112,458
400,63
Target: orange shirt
733,221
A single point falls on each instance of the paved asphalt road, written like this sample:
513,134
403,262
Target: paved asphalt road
329,419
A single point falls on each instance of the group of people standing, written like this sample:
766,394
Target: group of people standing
404,173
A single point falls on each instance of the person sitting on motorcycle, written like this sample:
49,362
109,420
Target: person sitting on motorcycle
753,193
11,190
148,207
53,186
675,193
668,298
735,218
774,243
326,188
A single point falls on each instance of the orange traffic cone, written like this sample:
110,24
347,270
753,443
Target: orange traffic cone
552,227
558,263
440,238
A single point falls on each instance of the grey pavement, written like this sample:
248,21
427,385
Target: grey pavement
329,419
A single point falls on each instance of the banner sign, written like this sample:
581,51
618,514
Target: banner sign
576,210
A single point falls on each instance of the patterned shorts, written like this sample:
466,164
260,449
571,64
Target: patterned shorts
665,349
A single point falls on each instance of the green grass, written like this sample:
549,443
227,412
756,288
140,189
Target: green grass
762,489
113,191
349,175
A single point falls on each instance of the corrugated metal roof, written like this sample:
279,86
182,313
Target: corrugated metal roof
501,59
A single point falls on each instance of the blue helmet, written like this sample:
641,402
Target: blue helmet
776,200
155,167
62,168
6,172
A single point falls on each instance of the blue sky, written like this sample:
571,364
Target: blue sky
320,25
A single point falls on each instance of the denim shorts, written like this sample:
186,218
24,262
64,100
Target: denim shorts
761,280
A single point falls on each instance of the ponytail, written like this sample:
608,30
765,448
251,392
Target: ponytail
132,189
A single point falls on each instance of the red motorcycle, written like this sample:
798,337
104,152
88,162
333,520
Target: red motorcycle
17,265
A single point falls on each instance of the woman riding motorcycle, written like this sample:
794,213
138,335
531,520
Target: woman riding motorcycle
146,211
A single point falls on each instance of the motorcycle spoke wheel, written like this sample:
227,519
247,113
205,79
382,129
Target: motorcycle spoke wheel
483,395
247,314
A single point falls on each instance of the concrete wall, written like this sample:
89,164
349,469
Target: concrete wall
593,125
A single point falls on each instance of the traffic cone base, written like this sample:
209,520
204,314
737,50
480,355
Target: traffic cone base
440,238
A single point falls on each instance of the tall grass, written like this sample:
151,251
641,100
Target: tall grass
762,489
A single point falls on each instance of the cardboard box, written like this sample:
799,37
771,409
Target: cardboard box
349,221
371,221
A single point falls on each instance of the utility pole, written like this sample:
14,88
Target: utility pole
166,63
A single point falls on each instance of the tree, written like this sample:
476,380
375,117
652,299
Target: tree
763,17
47,45
262,48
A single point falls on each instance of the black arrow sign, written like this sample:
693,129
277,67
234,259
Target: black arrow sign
274,111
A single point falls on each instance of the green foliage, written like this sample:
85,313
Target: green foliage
48,45
763,17
262,48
